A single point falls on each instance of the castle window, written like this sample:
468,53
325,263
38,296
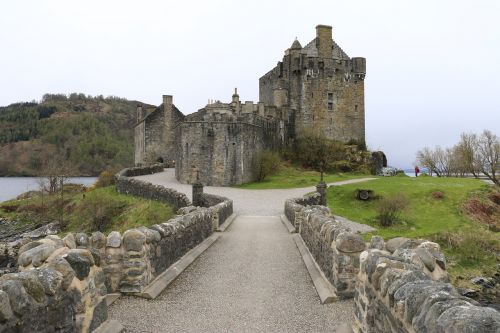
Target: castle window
330,101
356,109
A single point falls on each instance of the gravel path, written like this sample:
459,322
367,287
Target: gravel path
253,202
251,280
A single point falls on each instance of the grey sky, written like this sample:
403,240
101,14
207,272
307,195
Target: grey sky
433,67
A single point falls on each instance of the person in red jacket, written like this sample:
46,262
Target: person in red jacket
417,171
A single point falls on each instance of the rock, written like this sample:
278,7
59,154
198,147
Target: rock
467,292
99,316
63,267
469,319
377,242
426,257
32,284
114,239
435,250
48,229
29,246
80,260
82,240
349,243
392,244
5,309
98,240
20,301
483,282
69,241
41,253
404,254
150,235
133,240
36,255
50,279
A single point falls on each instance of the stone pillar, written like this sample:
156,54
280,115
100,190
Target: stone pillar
197,194
321,188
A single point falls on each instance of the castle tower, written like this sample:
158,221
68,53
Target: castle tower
320,86
324,41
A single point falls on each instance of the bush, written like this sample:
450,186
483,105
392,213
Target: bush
390,209
266,163
106,178
438,195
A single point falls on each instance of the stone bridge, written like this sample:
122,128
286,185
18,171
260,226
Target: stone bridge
252,279
261,261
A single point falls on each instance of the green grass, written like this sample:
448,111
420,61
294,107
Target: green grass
469,247
291,177
101,209
121,211
426,215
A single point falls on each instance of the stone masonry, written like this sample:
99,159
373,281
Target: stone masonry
314,88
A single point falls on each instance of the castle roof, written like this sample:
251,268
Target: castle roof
295,45
312,51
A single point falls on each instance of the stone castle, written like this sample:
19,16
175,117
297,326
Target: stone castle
314,88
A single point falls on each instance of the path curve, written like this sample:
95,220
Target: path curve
252,202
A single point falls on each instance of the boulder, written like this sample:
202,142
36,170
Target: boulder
469,319
133,240
392,244
97,240
82,240
377,242
349,243
69,241
5,309
114,239
80,260
425,257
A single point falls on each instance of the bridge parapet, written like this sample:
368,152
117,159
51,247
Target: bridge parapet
398,286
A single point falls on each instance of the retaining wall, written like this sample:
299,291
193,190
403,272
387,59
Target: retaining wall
125,184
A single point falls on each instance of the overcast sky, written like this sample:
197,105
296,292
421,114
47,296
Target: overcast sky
433,67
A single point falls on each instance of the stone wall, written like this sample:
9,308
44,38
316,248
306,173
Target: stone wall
221,207
334,247
132,260
58,289
403,287
127,185
398,286
219,150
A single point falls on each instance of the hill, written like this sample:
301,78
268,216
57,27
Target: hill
87,134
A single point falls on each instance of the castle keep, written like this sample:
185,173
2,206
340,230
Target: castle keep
314,88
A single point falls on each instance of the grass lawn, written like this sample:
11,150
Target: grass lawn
426,215
116,212
291,177
471,250
101,209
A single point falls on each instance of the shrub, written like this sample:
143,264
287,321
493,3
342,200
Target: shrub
266,163
390,209
106,178
438,195
103,212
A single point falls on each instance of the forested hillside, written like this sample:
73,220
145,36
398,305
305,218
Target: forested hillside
85,134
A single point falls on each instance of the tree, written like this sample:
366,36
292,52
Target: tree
466,151
315,151
488,152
